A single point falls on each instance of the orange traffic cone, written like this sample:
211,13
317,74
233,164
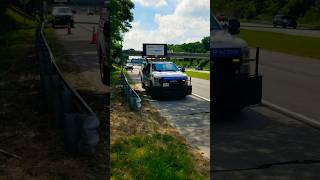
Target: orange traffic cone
94,36
69,29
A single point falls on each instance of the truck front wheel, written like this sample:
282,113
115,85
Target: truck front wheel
151,91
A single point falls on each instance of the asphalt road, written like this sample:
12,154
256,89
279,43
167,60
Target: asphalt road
291,82
201,88
244,146
191,115
290,31
82,52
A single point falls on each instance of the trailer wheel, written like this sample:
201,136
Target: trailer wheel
151,91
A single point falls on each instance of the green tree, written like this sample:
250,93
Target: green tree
120,17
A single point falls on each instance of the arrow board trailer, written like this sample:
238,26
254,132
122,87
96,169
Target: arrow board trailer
163,78
155,50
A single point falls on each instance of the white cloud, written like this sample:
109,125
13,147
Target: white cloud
190,22
151,3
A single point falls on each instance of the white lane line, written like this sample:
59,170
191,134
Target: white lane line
201,97
302,118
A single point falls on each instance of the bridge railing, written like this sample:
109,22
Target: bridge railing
71,113
131,96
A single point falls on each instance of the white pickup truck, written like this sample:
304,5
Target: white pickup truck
164,79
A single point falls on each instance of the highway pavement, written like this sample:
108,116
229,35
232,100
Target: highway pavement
201,88
259,143
78,46
290,31
262,144
291,82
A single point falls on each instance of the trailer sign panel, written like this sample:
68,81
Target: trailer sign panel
155,50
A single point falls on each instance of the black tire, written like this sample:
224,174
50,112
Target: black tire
105,79
53,25
151,91
143,85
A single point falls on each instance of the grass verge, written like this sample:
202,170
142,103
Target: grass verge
290,44
156,156
145,146
205,76
14,42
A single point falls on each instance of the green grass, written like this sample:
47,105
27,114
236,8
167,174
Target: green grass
151,157
199,75
115,74
14,43
290,44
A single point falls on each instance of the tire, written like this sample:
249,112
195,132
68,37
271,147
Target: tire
151,91
143,85
53,25
104,72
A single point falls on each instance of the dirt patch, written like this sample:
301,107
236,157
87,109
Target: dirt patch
27,130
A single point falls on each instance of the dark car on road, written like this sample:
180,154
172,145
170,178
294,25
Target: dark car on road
284,21
62,16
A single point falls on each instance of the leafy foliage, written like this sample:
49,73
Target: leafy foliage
194,47
306,10
120,17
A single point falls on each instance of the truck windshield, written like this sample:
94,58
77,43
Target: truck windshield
164,67
214,25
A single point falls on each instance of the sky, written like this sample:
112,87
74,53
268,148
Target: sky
168,21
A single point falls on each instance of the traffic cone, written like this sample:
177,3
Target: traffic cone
94,36
69,29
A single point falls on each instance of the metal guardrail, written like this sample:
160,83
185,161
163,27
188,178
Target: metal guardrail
131,96
72,114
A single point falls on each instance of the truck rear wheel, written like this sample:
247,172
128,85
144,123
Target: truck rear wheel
105,79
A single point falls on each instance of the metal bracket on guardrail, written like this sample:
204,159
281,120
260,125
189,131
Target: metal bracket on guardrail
132,97
72,114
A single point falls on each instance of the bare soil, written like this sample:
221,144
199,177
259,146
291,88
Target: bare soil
34,147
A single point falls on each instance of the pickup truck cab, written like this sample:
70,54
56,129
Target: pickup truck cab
163,79
62,16
234,84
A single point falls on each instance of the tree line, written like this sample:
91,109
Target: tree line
202,46
304,10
